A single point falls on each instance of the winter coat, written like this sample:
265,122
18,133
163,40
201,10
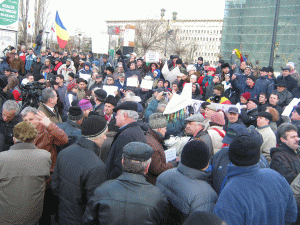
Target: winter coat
72,130
7,130
256,196
78,172
152,106
158,159
76,62
36,68
265,85
23,170
290,82
269,141
209,91
129,199
49,138
249,116
243,88
18,64
96,85
105,147
216,137
296,92
54,117
119,85
285,97
29,61
39,40
219,168
64,70
187,189
129,133
286,162
205,137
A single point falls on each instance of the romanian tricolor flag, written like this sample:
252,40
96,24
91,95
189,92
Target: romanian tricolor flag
239,55
61,32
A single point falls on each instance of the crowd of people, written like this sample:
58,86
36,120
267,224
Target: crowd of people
72,152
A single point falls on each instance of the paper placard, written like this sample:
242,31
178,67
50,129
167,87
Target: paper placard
152,57
132,82
147,84
170,154
110,90
85,76
287,111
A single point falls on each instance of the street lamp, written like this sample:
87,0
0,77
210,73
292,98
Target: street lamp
168,25
47,32
79,34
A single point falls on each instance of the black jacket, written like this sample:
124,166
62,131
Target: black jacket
39,40
285,161
7,130
78,172
130,133
129,199
249,117
72,129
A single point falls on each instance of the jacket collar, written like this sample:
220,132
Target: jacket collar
22,146
137,178
192,173
133,124
73,124
238,170
289,149
156,135
85,143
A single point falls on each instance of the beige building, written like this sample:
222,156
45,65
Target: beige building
202,38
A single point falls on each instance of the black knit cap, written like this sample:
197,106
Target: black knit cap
128,105
195,154
252,78
254,100
224,65
93,126
75,113
101,94
111,100
178,61
119,52
244,151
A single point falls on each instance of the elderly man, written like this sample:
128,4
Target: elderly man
10,117
79,171
291,83
48,105
48,138
24,169
195,127
129,131
109,115
158,128
99,98
107,207
285,97
269,138
285,158
185,199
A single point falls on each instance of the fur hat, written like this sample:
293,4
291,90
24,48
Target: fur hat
190,68
75,113
25,132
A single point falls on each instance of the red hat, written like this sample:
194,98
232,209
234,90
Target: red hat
211,69
218,118
246,95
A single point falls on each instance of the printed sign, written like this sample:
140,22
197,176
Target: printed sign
9,16
152,57
147,84
170,154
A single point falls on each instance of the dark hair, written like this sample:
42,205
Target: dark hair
284,128
79,80
41,31
274,93
61,76
264,94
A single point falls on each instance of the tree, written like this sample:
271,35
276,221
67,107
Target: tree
42,14
24,8
149,35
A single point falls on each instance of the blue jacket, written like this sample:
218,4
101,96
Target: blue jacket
219,165
119,85
195,195
243,88
265,85
256,196
28,62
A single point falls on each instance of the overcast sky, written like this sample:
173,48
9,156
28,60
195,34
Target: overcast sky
89,15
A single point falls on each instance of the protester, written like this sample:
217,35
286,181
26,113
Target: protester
105,206
249,191
23,165
79,171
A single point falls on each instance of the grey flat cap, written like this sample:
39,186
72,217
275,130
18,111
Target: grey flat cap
212,107
137,151
195,118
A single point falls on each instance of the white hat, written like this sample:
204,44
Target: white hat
133,53
190,68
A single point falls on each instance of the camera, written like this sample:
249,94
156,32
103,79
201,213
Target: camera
31,94
215,99
165,93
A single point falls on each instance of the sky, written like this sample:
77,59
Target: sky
89,15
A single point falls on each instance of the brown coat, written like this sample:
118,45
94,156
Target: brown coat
158,159
48,138
18,64
55,118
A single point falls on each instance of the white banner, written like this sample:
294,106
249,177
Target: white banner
152,57
100,43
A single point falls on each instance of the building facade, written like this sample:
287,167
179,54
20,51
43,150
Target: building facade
249,26
200,37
